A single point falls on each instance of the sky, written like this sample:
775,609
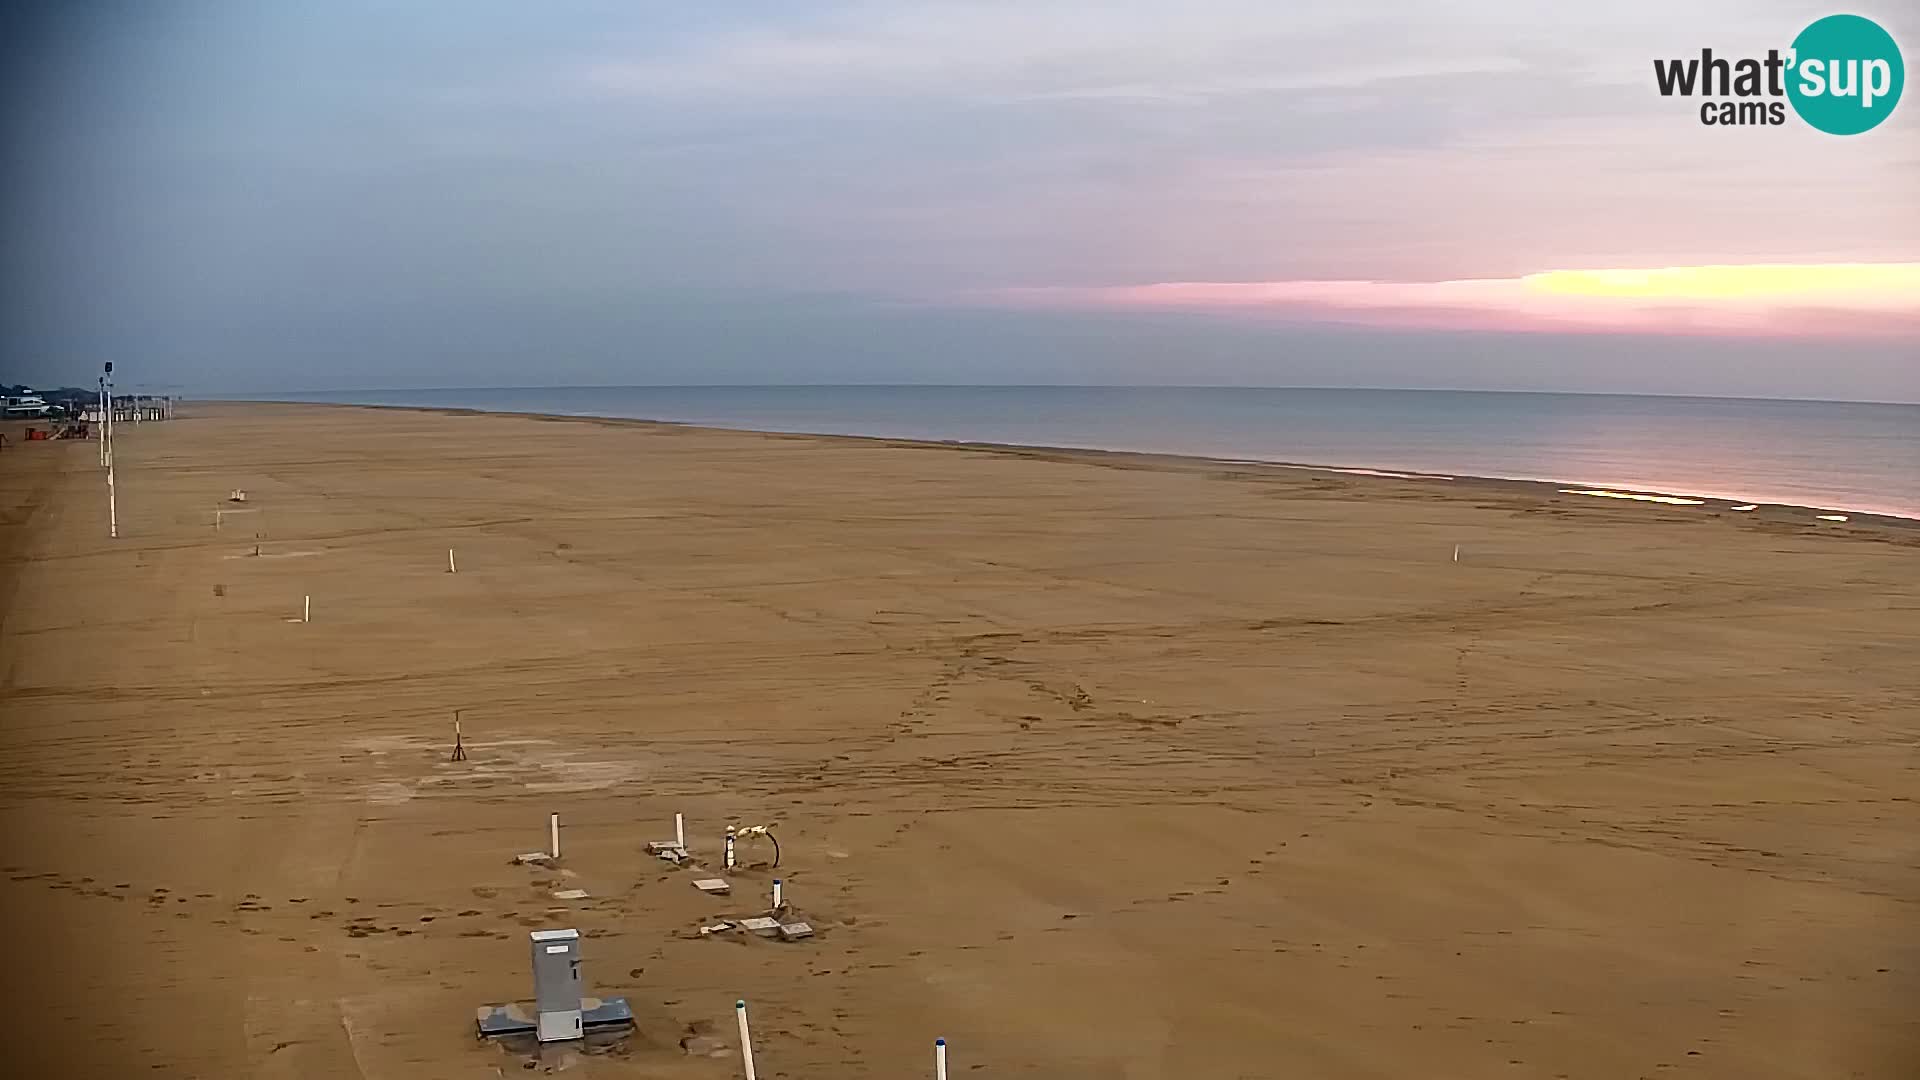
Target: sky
256,195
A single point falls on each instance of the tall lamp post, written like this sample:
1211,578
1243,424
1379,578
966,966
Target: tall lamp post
113,510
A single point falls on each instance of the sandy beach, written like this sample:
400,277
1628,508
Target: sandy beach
1102,767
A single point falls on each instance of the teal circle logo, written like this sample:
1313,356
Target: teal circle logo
1846,74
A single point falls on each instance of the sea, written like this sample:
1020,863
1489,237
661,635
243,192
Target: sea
1841,456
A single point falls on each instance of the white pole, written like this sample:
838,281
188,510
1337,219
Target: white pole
746,1038
113,505
729,859
680,831
1456,553
776,894
553,830
939,1059
306,610
450,568
103,421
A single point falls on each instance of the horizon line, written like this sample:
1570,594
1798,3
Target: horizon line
1069,386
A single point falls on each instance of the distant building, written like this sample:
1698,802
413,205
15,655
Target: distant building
24,406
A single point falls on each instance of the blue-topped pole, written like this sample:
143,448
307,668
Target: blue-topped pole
746,1038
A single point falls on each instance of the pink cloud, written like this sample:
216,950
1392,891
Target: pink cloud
1838,300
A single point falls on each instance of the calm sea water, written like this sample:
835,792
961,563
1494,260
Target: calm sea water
1841,456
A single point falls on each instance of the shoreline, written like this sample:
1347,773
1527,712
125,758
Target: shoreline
1568,492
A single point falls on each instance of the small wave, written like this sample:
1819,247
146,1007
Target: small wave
1602,493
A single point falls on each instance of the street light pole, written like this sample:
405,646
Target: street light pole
113,509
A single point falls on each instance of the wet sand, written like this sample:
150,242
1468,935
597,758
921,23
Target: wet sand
1100,766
